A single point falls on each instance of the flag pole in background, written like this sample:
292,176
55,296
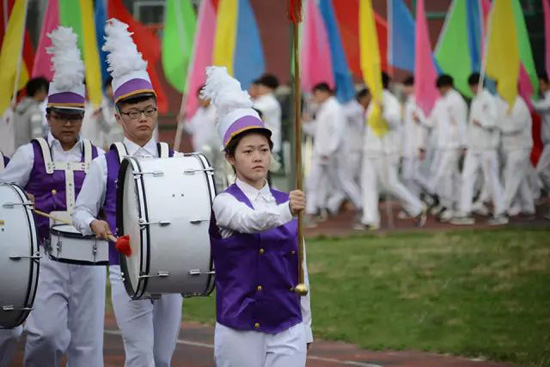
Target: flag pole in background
295,17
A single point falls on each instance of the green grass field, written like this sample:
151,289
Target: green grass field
473,293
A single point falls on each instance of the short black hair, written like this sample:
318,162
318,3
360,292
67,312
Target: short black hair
444,80
36,85
234,142
474,79
385,80
543,76
322,87
409,81
136,99
269,80
362,93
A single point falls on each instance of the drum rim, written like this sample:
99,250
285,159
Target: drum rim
141,287
78,262
80,236
32,284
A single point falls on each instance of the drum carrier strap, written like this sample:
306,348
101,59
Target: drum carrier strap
121,150
68,167
2,166
163,150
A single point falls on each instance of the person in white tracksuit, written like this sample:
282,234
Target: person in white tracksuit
413,144
355,130
380,165
516,145
482,144
448,119
542,106
327,130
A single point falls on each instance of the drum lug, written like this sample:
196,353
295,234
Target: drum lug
191,171
12,205
160,274
36,256
162,223
11,308
198,221
194,272
154,173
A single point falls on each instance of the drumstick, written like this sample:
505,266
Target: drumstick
52,217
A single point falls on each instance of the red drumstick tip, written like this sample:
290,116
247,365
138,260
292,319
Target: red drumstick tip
123,245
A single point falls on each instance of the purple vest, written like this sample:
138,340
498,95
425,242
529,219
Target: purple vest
256,274
109,205
49,189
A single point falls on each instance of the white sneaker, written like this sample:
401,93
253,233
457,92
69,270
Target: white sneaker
480,208
436,210
498,220
465,220
447,215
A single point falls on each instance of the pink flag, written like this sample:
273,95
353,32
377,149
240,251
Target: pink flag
425,74
42,61
315,57
546,7
203,48
525,86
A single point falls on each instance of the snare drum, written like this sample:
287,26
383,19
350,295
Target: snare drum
164,204
67,245
19,256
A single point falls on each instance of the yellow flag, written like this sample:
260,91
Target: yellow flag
91,54
226,37
10,55
503,50
370,65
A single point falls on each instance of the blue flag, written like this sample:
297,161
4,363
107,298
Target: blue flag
100,20
401,36
473,12
345,90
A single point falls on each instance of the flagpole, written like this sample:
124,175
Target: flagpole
20,61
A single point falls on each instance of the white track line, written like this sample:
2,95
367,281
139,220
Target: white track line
315,358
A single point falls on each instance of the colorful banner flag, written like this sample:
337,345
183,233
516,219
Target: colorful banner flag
11,54
100,19
503,58
525,51
401,36
370,65
345,90
425,74
475,23
315,60
177,41
237,44
42,62
203,47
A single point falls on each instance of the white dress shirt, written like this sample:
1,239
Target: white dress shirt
542,106
202,126
92,195
414,135
390,142
234,216
271,116
328,128
20,167
515,125
484,110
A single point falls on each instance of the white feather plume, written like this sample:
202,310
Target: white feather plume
224,91
66,61
123,57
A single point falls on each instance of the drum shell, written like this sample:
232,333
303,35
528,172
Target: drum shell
19,254
75,248
174,208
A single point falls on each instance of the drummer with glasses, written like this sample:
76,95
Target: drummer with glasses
69,307
149,328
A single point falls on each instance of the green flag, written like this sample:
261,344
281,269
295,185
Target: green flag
525,51
177,43
452,53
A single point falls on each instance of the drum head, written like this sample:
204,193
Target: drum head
130,202
18,246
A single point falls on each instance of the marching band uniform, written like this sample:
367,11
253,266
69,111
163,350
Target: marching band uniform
69,306
517,142
482,155
261,321
542,106
149,328
380,165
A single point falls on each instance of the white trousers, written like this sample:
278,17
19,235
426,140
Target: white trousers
318,186
516,185
380,174
543,166
342,183
68,316
353,159
446,177
487,162
413,178
8,344
238,348
149,328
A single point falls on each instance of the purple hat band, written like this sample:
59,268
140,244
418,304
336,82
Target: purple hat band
133,87
242,124
66,99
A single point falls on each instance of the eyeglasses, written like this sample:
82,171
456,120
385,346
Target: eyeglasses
135,113
73,120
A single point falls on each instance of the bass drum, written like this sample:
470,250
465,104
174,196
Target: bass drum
165,204
19,256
